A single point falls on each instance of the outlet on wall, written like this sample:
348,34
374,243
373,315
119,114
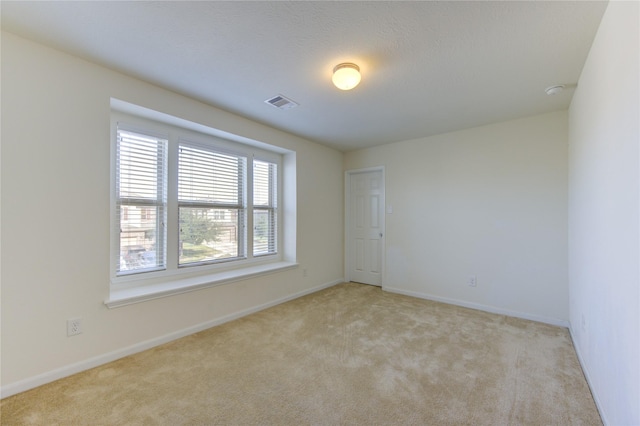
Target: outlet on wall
473,281
74,326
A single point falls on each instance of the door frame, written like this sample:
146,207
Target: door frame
347,221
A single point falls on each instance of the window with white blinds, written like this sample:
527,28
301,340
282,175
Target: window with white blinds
211,187
187,203
141,202
264,208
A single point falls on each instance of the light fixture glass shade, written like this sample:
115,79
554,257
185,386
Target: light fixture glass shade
554,90
346,76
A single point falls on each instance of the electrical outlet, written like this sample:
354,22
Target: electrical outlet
304,272
473,281
74,326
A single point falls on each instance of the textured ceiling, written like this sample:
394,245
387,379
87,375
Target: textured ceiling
427,67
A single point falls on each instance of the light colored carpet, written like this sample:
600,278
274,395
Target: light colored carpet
348,355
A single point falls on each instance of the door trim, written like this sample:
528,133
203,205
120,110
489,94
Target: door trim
347,220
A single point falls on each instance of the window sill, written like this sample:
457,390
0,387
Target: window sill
129,296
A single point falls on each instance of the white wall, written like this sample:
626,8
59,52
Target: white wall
55,218
489,201
604,213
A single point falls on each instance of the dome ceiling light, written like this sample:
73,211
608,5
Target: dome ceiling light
346,76
554,90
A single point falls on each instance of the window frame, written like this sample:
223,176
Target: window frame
126,203
241,206
271,208
201,272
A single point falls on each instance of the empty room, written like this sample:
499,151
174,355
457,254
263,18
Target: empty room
320,212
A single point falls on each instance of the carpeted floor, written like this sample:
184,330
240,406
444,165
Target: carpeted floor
348,355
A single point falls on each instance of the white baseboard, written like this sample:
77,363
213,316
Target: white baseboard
68,370
585,371
485,308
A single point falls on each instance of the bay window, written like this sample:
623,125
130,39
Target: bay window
190,207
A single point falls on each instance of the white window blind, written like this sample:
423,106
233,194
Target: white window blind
264,208
211,203
141,201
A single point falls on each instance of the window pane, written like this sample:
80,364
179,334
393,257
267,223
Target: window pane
140,247
264,189
209,235
141,161
264,227
210,177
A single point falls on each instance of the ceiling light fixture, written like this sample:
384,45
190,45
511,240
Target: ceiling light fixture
554,90
346,76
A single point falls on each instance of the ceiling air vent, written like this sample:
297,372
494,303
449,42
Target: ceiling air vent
281,102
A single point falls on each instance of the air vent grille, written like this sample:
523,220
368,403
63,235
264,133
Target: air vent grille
281,102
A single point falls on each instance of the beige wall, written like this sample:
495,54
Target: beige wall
488,201
55,218
604,190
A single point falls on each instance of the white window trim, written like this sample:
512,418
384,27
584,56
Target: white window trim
135,288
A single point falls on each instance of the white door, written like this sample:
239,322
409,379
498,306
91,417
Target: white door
365,226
